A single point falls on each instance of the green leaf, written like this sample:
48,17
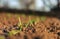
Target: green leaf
43,18
27,25
20,28
2,37
19,23
31,21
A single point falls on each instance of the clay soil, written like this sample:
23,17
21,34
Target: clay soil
47,29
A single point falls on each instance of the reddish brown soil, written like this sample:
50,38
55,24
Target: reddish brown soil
48,29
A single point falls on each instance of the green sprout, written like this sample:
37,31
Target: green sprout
2,37
20,23
43,18
13,32
26,25
32,21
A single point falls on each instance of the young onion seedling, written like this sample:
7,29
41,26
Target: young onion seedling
32,21
20,23
13,32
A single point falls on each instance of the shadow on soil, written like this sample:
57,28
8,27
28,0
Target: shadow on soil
54,12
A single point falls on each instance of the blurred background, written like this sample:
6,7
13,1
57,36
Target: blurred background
35,5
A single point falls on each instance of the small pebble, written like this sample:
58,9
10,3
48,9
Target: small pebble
53,27
26,30
9,22
15,25
52,30
48,28
24,25
52,23
17,28
29,28
5,31
25,37
33,30
36,38
58,33
10,29
58,28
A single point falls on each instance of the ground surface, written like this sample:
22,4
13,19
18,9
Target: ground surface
15,26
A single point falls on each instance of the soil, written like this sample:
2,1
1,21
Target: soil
47,29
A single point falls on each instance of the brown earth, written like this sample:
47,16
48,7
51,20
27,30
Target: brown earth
48,29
